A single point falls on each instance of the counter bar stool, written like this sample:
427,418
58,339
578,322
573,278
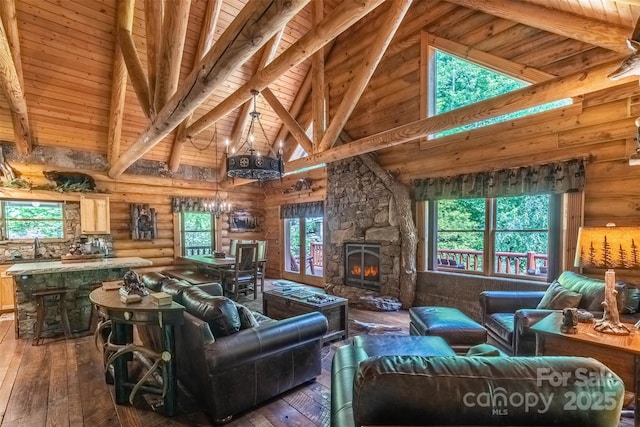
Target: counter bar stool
41,300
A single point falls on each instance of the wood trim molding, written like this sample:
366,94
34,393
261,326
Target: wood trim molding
591,31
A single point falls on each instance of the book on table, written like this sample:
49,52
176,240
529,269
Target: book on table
160,298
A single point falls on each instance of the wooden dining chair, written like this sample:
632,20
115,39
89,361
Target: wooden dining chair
243,276
262,261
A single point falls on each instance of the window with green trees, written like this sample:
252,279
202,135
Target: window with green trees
198,233
458,83
30,219
512,232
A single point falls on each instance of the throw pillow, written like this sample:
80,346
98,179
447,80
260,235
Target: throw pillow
219,312
486,350
558,297
247,319
631,300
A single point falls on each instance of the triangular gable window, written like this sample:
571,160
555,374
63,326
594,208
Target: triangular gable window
459,82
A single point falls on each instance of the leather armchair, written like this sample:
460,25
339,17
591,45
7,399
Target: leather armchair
508,316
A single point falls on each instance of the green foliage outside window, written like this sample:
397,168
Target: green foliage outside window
522,226
459,83
198,233
28,220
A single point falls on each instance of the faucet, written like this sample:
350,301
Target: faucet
36,248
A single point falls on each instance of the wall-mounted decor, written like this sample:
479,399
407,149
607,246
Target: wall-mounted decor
243,221
143,222
303,184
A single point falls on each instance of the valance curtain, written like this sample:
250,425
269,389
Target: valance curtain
552,178
188,204
302,210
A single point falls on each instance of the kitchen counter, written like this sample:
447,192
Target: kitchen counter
80,278
45,267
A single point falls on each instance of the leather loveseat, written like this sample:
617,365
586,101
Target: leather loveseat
374,383
231,359
508,315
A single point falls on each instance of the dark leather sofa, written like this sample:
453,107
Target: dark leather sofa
236,370
404,382
507,316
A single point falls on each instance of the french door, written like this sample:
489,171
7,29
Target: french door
303,250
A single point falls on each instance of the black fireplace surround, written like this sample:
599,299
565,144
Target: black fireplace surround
362,265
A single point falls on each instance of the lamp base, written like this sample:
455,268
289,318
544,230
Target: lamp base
610,322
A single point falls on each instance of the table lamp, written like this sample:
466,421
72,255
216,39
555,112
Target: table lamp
609,247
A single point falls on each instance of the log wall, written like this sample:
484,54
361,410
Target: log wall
158,192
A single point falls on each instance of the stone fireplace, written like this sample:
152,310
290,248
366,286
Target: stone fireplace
362,265
360,211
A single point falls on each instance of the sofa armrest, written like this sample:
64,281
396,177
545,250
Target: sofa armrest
508,301
249,344
526,318
524,340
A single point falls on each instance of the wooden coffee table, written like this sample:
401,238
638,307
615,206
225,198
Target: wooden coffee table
279,304
620,353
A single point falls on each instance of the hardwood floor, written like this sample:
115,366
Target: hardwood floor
61,383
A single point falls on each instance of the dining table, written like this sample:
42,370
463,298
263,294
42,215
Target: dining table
221,265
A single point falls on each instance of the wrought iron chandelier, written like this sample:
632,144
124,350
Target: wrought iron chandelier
251,164
217,206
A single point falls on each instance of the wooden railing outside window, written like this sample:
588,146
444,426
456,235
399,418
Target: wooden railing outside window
518,263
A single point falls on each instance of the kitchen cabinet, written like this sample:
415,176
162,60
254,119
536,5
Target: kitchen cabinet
94,215
6,291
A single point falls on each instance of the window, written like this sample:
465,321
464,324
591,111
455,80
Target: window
31,219
458,83
501,236
461,233
198,233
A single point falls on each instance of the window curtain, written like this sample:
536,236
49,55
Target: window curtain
552,178
302,210
188,204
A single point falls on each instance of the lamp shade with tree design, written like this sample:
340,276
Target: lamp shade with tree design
609,247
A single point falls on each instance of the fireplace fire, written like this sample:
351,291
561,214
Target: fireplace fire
362,265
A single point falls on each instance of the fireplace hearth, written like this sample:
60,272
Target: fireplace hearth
362,265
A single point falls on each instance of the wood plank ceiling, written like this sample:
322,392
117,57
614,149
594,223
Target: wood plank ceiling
67,56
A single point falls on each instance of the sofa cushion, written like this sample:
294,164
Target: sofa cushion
220,313
631,301
153,280
558,297
592,290
501,324
175,288
247,319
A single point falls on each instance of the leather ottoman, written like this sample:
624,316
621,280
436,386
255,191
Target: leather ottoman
456,328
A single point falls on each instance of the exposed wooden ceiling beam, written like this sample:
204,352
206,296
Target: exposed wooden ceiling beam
293,126
300,98
131,58
174,30
343,17
11,77
153,13
243,116
576,84
269,52
205,41
319,87
253,27
372,57
118,86
591,31
528,74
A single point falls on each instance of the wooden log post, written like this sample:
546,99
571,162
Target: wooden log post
407,228
253,27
